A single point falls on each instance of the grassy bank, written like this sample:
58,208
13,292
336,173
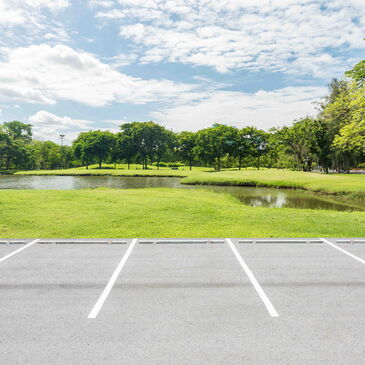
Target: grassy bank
160,213
121,170
341,184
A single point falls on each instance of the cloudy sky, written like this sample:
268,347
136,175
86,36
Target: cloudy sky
73,65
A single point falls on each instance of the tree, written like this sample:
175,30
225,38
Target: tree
150,140
18,130
351,137
215,142
15,151
357,73
241,148
162,140
257,141
125,148
186,143
93,145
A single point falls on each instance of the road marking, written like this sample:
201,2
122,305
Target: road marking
343,251
19,250
270,308
98,305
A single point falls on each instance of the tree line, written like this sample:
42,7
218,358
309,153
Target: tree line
333,140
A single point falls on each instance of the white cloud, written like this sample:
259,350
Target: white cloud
45,74
274,35
48,126
10,15
25,21
53,5
263,109
122,59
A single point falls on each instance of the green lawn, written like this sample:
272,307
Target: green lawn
160,213
340,184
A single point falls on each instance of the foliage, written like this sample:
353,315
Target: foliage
186,145
94,145
357,73
215,142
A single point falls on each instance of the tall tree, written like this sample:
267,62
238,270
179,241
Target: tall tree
93,145
241,147
216,142
186,143
18,130
258,142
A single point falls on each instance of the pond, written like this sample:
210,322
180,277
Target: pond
253,196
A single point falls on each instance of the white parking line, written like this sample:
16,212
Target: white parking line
96,309
19,250
343,251
270,308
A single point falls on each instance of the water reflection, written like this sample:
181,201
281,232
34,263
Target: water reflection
253,196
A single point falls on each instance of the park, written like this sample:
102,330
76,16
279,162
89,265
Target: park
182,182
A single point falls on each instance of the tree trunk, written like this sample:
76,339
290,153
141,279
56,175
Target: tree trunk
190,164
219,163
239,163
100,161
258,162
129,164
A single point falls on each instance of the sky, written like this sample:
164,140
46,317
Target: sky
68,66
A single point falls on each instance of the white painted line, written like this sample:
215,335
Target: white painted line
95,311
343,251
17,251
270,308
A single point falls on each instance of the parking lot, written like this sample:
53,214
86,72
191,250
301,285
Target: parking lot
221,301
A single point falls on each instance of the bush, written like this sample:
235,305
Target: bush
169,164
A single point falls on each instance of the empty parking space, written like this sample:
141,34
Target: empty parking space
190,302
320,294
45,292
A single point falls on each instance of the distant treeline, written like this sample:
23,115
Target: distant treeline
335,139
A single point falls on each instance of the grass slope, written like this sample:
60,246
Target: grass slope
341,184
160,213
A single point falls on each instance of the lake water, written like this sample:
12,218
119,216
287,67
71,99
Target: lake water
253,196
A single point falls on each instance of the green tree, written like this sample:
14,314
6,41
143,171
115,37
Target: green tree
18,130
93,146
150,140
215,142
241,147
186,143
357,73
125,147
258,143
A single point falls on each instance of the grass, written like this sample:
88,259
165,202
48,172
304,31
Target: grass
121,170
171,213
338,184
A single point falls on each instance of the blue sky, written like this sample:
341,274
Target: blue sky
72,65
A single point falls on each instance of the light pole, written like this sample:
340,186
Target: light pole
62,136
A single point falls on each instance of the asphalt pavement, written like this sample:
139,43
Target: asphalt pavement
189,302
